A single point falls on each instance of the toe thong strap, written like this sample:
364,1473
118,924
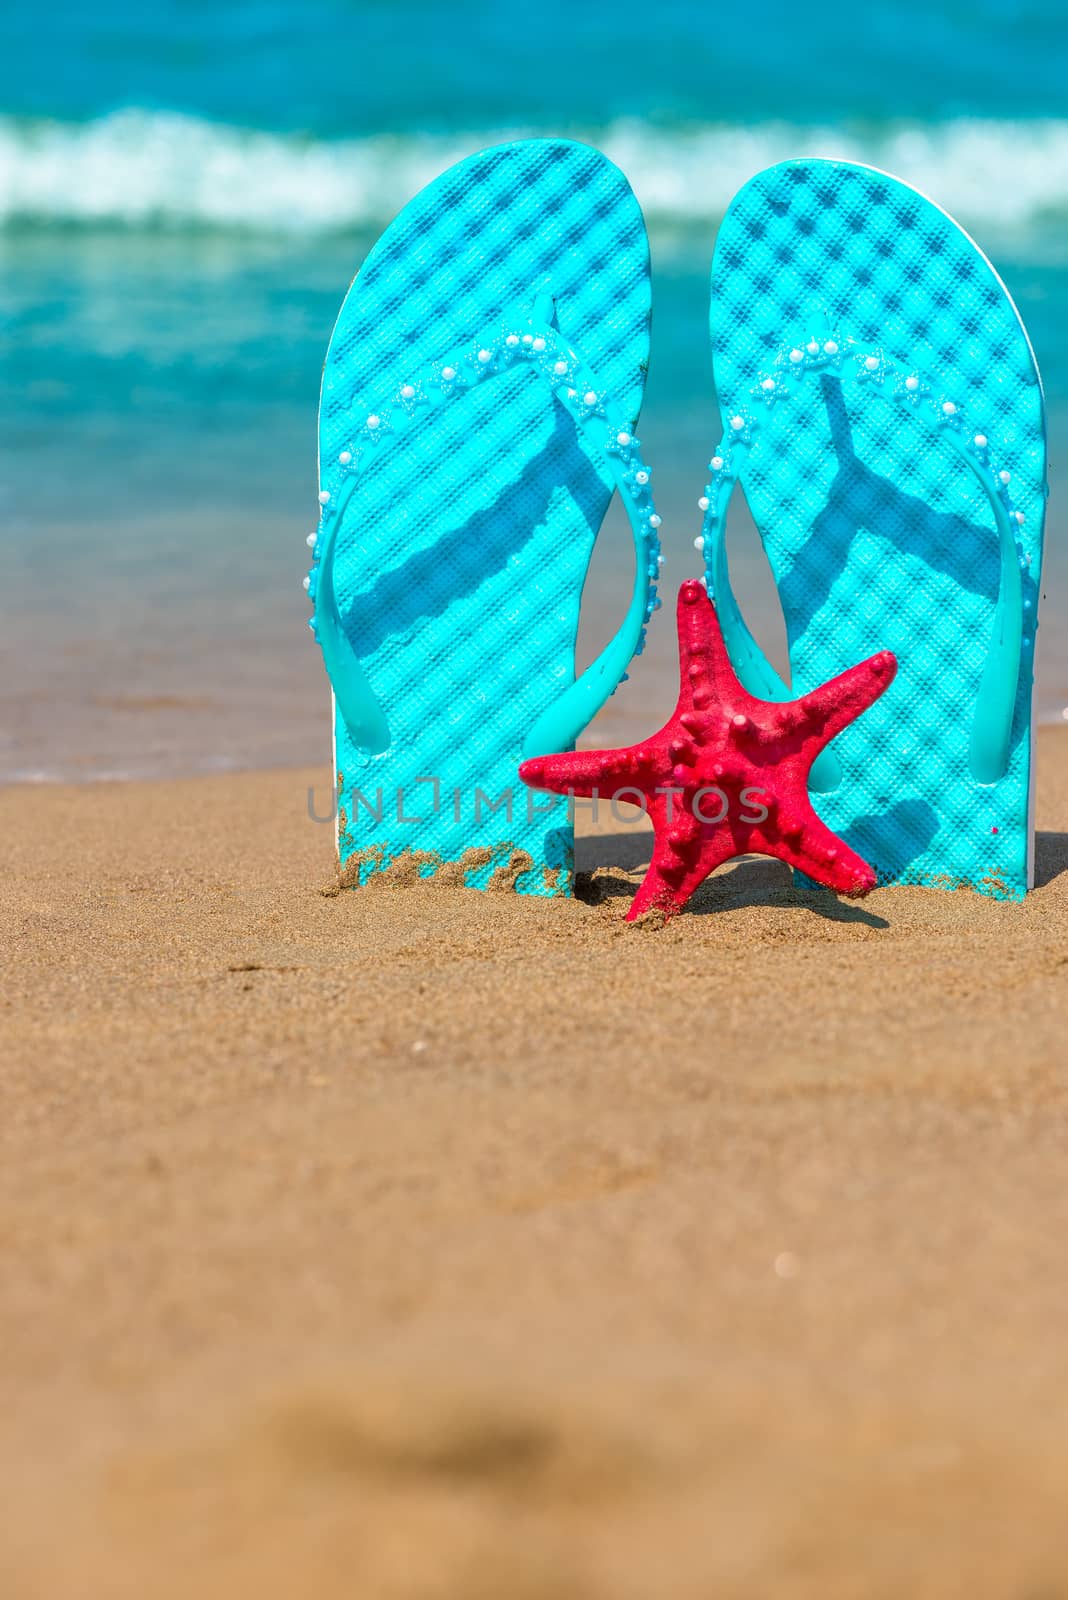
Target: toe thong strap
894,384
526,342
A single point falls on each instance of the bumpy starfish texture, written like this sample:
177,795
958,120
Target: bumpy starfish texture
728,774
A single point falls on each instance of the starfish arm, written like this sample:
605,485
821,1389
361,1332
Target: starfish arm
682,860
704,663
834,705
577,772
813,849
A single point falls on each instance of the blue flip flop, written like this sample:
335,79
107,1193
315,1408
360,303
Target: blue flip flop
478,406
883,412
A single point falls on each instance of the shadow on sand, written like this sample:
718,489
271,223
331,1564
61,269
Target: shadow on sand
751,881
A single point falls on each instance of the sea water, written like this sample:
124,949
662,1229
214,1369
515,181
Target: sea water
186,190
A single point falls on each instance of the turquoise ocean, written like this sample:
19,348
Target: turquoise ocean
186,190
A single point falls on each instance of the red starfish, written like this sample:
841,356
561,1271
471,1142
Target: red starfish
728,774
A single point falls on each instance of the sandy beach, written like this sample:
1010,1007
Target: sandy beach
416,1244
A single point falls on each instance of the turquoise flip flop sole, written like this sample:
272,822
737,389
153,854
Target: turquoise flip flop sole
459,551
882,410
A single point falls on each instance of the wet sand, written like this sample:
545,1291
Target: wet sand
417,1244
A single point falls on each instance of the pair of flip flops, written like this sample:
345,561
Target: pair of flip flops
882,410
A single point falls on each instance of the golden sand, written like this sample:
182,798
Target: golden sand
417,1244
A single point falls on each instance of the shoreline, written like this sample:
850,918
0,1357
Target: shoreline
617,728
419,1242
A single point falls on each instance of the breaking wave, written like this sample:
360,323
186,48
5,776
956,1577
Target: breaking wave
139,168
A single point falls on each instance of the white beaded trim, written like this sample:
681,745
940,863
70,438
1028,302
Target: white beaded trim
561,368
818,355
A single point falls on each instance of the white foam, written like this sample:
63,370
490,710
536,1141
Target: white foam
139,167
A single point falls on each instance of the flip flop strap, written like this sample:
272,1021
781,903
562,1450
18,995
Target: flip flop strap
527,341
881,379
